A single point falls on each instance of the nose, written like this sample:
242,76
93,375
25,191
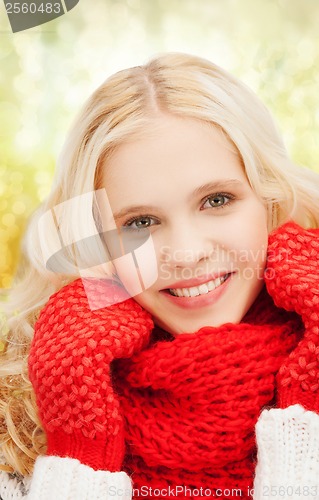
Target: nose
185,246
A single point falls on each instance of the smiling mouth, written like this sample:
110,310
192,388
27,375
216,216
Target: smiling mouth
202,289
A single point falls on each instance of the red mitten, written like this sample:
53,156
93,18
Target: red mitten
292,279
69,367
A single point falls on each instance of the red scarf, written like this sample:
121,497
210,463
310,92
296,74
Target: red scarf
191,404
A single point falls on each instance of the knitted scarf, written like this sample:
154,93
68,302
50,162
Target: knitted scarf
191,404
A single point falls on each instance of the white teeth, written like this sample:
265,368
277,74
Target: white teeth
218,282
211,285
198,290
203,289
193,291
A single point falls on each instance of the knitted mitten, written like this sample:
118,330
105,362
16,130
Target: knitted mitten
69,367
292,279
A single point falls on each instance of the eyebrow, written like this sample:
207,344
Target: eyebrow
219,184
210,186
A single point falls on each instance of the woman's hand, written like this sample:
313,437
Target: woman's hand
292,279
69,367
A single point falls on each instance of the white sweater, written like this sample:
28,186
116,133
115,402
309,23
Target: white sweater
287,467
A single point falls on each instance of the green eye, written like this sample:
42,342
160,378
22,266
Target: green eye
140,222
143,222
217,200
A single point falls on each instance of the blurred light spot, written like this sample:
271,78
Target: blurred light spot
18,208
8,220
26,139
3,204
43,192
16,177
10,117
136,4
6,47
306,51
20,82
42,178
16,188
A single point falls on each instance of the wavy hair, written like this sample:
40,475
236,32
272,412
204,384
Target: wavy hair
123,108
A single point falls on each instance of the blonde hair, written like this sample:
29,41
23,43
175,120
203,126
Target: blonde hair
120,109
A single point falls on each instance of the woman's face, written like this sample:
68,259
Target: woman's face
185,182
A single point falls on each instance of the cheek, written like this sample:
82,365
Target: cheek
138,268
247,238
148,301
254,242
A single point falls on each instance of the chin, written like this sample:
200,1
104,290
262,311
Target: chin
178,325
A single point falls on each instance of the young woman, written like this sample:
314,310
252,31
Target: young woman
175,265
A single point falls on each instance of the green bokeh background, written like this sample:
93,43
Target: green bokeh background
47,72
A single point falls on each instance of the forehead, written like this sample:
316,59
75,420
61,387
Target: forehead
173,153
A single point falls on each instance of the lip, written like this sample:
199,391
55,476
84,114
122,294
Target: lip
196,281
199,301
